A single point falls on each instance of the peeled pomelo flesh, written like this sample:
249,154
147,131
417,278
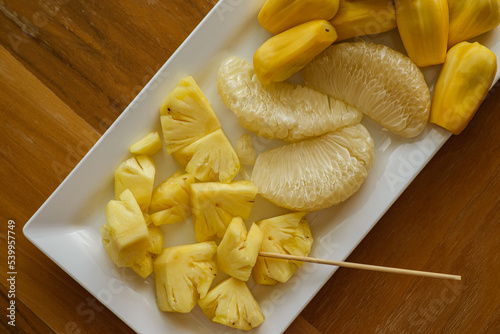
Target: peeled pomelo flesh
280,110
316,173
379,81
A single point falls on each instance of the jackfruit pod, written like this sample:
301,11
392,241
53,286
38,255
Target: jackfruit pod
463,83
471,18
363,17
287,53
277,16
423,26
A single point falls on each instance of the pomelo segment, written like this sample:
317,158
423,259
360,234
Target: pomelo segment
280,110
379,81
316,173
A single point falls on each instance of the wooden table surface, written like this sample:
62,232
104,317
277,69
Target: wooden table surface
68,68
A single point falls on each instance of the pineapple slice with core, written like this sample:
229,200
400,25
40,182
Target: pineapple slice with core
286,234
125,234
215,204
211,158
156,239
170,200
144,268
238,251
148,145
231,303
186,116
183,274
138,175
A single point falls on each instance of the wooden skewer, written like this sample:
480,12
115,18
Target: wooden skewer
361,266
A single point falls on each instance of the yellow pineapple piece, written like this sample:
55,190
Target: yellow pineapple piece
144,268
170,216
215,204
231,303
125,234
285,54
194,136
186,116
211,158
156,239
238,251
286,234
170,200
138,175
147,219
183,274
148,145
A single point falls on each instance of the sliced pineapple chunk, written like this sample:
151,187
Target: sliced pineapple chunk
156,239
171,216
215,204
144,268
186,116
125,234
238,251
211,158
231,303
183,274
194,136
286,234
138,175
147,219
170,200
148,145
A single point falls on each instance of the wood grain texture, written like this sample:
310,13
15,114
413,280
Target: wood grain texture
68,68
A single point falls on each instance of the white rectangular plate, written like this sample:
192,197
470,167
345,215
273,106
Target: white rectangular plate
67,226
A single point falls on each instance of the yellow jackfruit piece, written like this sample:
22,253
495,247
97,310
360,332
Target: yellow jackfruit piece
471,18
463,83
288,52
423,26
277,16
363,17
